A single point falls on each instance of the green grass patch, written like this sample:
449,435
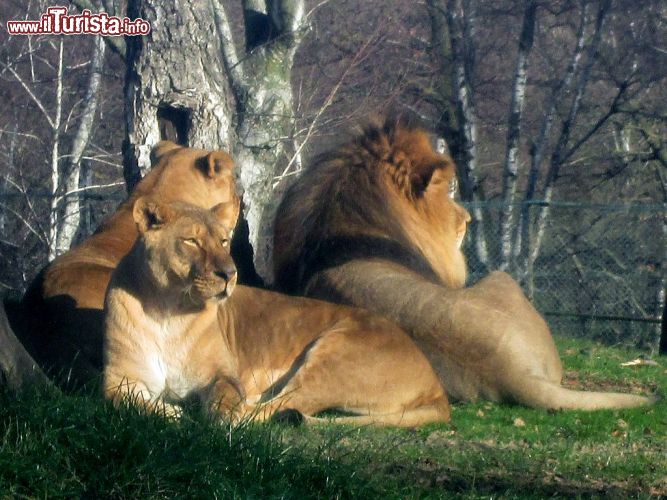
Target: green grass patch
56,445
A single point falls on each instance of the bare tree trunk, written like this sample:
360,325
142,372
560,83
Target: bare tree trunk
69,222
11,159
513,134
265,120
557,157
662,291
452,29
522,236
55,158
188,73
175,76
86,206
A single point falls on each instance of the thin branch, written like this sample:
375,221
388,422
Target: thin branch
613,109
229,55
115,43
358,57
94,187
30,93
25,221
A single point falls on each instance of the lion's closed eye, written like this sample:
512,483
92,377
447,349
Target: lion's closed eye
192,242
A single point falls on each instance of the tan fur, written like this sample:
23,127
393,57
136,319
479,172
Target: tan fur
175,330
486,341
65,301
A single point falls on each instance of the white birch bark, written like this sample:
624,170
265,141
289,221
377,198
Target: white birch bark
263,130
661,302
55,157
514,132
4,188
69,222
522,236
452,22
559,152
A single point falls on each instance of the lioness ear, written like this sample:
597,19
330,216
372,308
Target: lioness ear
227,213
162,148
149,214
216,164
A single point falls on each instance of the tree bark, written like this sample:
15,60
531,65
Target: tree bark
55,157
187,72
69,222
662,291
522,235
175,75
452,29
559,153
4,187
513,134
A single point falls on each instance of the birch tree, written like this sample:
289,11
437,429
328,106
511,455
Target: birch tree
68,222
453,32
511,166
517,233
191,72
64,168
561,152
522,235
53,123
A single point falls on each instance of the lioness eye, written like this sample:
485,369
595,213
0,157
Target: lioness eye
225,242
191,242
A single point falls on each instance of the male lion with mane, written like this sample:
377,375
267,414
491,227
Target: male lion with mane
372,224
60,318
178,327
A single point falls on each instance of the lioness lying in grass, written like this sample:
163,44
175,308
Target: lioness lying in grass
177,327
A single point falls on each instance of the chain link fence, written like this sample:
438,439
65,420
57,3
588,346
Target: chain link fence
600,271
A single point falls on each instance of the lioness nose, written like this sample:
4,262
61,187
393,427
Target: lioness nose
226,272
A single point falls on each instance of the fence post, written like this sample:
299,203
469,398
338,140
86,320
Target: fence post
663,335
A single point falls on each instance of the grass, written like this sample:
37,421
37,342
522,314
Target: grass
79,446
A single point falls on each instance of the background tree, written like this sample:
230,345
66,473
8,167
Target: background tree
51,87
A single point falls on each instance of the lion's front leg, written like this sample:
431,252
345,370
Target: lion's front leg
226,398
122,389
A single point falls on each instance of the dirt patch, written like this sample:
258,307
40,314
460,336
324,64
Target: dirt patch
575,380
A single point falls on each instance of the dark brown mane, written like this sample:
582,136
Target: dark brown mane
339,208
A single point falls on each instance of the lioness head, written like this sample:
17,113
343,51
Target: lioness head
196,176
187,248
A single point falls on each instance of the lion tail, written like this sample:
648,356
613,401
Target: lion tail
548,395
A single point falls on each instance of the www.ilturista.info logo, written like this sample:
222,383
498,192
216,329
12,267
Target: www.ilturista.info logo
56,21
